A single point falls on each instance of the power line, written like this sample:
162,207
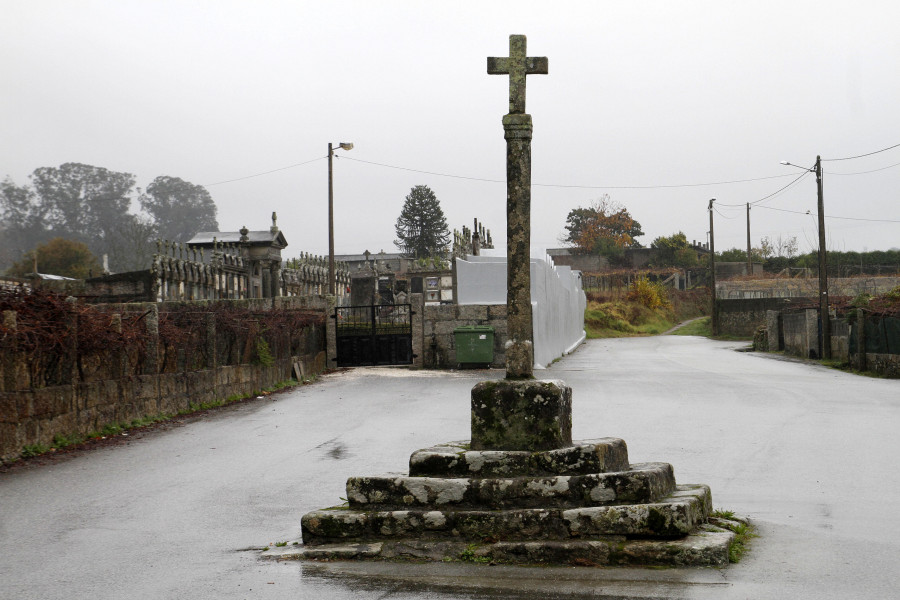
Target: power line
265,172
756,202
862,155
797,212
369,162
574,186
775,193
720,214
866,172
560,185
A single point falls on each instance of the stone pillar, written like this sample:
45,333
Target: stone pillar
69,364
517,131
10,352
275,282
120,359
862,359
330,334
811,336
417,321
212,359
151,350
774,325
520,350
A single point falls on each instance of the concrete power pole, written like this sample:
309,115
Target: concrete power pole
712,271
749,256
824,315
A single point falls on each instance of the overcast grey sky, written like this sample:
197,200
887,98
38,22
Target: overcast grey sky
640,96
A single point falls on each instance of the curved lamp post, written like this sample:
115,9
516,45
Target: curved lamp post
341,146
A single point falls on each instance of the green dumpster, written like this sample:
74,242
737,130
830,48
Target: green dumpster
474,344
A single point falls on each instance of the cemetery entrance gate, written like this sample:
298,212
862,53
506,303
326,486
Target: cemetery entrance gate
378,334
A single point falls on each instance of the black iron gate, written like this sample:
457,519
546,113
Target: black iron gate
379,334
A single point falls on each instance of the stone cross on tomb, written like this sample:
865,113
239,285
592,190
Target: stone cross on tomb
517,129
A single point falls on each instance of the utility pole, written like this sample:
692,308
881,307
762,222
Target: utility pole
331,275
824,314
712,270
330,222
749,256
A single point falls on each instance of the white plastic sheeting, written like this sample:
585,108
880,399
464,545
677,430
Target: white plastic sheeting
557,301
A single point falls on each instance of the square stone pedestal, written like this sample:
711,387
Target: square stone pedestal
521,415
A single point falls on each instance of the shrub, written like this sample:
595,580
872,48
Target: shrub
648,293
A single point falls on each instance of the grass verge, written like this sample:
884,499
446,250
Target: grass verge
620,318
700,327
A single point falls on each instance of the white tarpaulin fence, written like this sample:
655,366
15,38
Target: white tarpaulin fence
557,301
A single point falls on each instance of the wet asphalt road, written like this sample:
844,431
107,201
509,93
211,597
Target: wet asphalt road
809,454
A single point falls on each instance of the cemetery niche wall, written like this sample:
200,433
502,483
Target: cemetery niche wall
221,265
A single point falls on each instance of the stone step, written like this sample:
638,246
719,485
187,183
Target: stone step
640,484
678,514
582,458
707,546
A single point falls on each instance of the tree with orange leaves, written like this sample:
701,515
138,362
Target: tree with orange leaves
605,228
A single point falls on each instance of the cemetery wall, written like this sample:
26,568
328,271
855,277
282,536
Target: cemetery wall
134,286
442,320
172,356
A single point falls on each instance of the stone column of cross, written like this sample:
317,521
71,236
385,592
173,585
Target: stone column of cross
517,131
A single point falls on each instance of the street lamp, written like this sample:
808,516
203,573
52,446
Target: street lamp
341,146
825,337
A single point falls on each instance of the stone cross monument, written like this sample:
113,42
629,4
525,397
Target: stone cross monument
521,491
519,413
517,131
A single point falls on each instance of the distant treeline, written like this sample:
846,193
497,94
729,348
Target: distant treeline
92,205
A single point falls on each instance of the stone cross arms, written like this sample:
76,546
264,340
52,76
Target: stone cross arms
517,66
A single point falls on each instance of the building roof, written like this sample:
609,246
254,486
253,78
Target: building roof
362,257
258,238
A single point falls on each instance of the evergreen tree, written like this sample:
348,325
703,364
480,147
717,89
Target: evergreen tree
421,227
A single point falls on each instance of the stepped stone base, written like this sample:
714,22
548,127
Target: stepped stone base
675,515
708,546
457,460
642,483
583,503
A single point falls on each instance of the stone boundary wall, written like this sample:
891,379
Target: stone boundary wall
742,317
442,320
31,416
797,334
803,287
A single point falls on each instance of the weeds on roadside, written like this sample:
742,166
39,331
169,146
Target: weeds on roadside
743,532
468,555
61,441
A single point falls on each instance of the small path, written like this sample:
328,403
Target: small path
682,324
